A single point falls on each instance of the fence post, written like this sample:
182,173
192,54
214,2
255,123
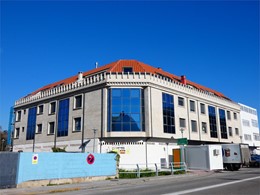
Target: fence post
138,171
171,164
156,169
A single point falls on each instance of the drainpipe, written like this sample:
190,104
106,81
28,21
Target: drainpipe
83,123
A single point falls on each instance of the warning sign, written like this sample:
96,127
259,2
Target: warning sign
35,159
90,159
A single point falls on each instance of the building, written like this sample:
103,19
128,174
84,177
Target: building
249,126
128,106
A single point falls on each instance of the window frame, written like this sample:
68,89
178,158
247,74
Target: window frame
49,126
74,124
180,122
15,133
50,107
204,124
192,126
37,128
75,107
204,108
18,116
38,109
192,102
183,102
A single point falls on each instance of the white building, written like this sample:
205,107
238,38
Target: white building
249,126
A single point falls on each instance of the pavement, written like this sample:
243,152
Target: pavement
95,184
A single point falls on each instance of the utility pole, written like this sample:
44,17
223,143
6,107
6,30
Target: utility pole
95,130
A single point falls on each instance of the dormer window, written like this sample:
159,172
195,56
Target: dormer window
127,69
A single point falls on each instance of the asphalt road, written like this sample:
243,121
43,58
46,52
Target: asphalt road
246,181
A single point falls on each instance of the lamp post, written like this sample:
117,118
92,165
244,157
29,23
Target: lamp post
182,146
95,130
181,132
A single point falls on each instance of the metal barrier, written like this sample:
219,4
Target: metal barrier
156,168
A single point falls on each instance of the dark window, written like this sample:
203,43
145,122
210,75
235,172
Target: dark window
235,116
39,128
126,109
18,116
223,125
63,118
17,133
52,107
78,101
193,126
77,124
202,108
168,113
228,115
180,101
127,69
51,128
40,109
212,121
24,111
230,131
31,123
182,122
237,131
204,127
192,106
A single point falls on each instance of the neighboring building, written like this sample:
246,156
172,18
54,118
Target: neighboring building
127,106
249,126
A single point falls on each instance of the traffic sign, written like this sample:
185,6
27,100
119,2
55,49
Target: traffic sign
90,159
182,141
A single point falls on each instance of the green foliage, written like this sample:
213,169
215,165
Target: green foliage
54,149
179,172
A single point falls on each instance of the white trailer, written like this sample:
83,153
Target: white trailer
204,157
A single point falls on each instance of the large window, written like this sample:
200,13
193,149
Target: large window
63,118
212,121
168,113
223,125
126,109
31,123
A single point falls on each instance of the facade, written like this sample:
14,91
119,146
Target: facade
249,126
128,106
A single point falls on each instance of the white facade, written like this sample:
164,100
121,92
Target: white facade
249,126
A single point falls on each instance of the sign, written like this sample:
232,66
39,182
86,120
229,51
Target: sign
182,141
90,159
35,159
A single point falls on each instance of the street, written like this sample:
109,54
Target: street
245,181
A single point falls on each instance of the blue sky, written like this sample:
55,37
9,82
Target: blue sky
213,43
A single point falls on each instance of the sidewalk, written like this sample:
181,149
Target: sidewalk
95,184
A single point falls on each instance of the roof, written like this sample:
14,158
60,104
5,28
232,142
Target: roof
137,67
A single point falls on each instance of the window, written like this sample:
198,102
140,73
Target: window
17,133
126,109
182,122
40,109
223,125
230,132
204,127
256,137
237,131
246,123
254,123
39,128
202,108
235,116
228,115
24,111
51,128
168,113
247,137
78,102
22,129
31,123
193,126
63,118
52,109
192,106
127,69
77,124
212,121
180,101
18,116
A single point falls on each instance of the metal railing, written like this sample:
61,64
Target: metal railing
156,168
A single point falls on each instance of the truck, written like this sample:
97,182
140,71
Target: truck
235,156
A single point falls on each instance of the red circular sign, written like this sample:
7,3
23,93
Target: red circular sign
90,159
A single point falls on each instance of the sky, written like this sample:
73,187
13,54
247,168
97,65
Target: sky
213,43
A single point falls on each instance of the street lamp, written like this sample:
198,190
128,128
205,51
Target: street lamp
181,132
95,130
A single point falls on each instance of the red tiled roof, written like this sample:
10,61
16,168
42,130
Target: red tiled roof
137,67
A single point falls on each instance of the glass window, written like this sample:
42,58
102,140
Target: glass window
127,69
223,125
78,102
39,128
52,109
63,118
31,123
228,115
18,115
40,109
246,123
202,108
230,131
77,124
168,113
192,106
204,127
254,123
212,121
51,128
237,131
193,126
17,133
182,122
125,109
235,116
180,101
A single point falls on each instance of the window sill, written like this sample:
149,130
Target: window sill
76,131
77,108
50,134
53,113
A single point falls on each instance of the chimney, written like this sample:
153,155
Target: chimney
80,76
183,79
96,64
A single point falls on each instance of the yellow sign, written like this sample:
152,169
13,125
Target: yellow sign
35,159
